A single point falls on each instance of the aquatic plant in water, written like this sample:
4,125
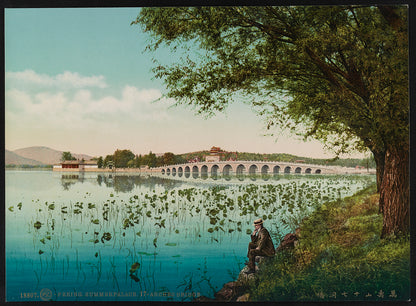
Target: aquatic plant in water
146,221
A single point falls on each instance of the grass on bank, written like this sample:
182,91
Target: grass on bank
339,257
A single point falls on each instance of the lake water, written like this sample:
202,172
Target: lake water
124,237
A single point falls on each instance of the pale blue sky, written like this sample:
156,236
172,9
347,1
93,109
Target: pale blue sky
77,80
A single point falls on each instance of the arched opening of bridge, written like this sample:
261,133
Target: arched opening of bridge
287,169
252,170
195,171
265,169
168,171
204,172
214,171
227,170
298,170
308,171
187,171
318,171
240,169
173,171
276,170
163,171
240,172
180,171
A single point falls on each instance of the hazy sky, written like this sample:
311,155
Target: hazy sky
77,80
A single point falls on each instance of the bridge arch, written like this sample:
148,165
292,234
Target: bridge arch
195,171
308,170
187,171
265,169
253,169
318,171
287,169
240,169
276,169
180,171
204,171
227,170
173,171
298,170
214,170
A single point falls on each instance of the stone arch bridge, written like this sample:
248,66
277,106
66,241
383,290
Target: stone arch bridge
248,167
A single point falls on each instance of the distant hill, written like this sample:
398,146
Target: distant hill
12,158
284,157
42,155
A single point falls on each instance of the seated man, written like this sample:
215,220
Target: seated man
261,244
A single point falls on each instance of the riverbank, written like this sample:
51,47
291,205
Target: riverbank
338,256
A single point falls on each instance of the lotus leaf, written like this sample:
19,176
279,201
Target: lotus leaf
147,254
134,267
106,236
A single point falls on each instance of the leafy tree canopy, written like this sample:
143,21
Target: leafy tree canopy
67,156
336,73
122,157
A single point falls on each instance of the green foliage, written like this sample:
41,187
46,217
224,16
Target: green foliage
100,162
122,157
67,156
138,161
149,160
339,257
127,159
328,281
108,160
337,73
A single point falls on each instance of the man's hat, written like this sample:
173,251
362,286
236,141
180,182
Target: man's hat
258,221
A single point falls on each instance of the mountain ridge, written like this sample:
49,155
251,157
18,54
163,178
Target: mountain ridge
37,155
12,158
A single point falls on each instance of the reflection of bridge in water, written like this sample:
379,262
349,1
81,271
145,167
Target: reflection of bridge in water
250,168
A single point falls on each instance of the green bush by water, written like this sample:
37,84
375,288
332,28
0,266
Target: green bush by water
339,257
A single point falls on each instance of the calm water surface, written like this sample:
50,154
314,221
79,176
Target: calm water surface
119,237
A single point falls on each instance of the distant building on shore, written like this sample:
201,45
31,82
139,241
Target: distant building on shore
76,165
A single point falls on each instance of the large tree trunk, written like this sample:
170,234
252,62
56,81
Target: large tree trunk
379,158
394,192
